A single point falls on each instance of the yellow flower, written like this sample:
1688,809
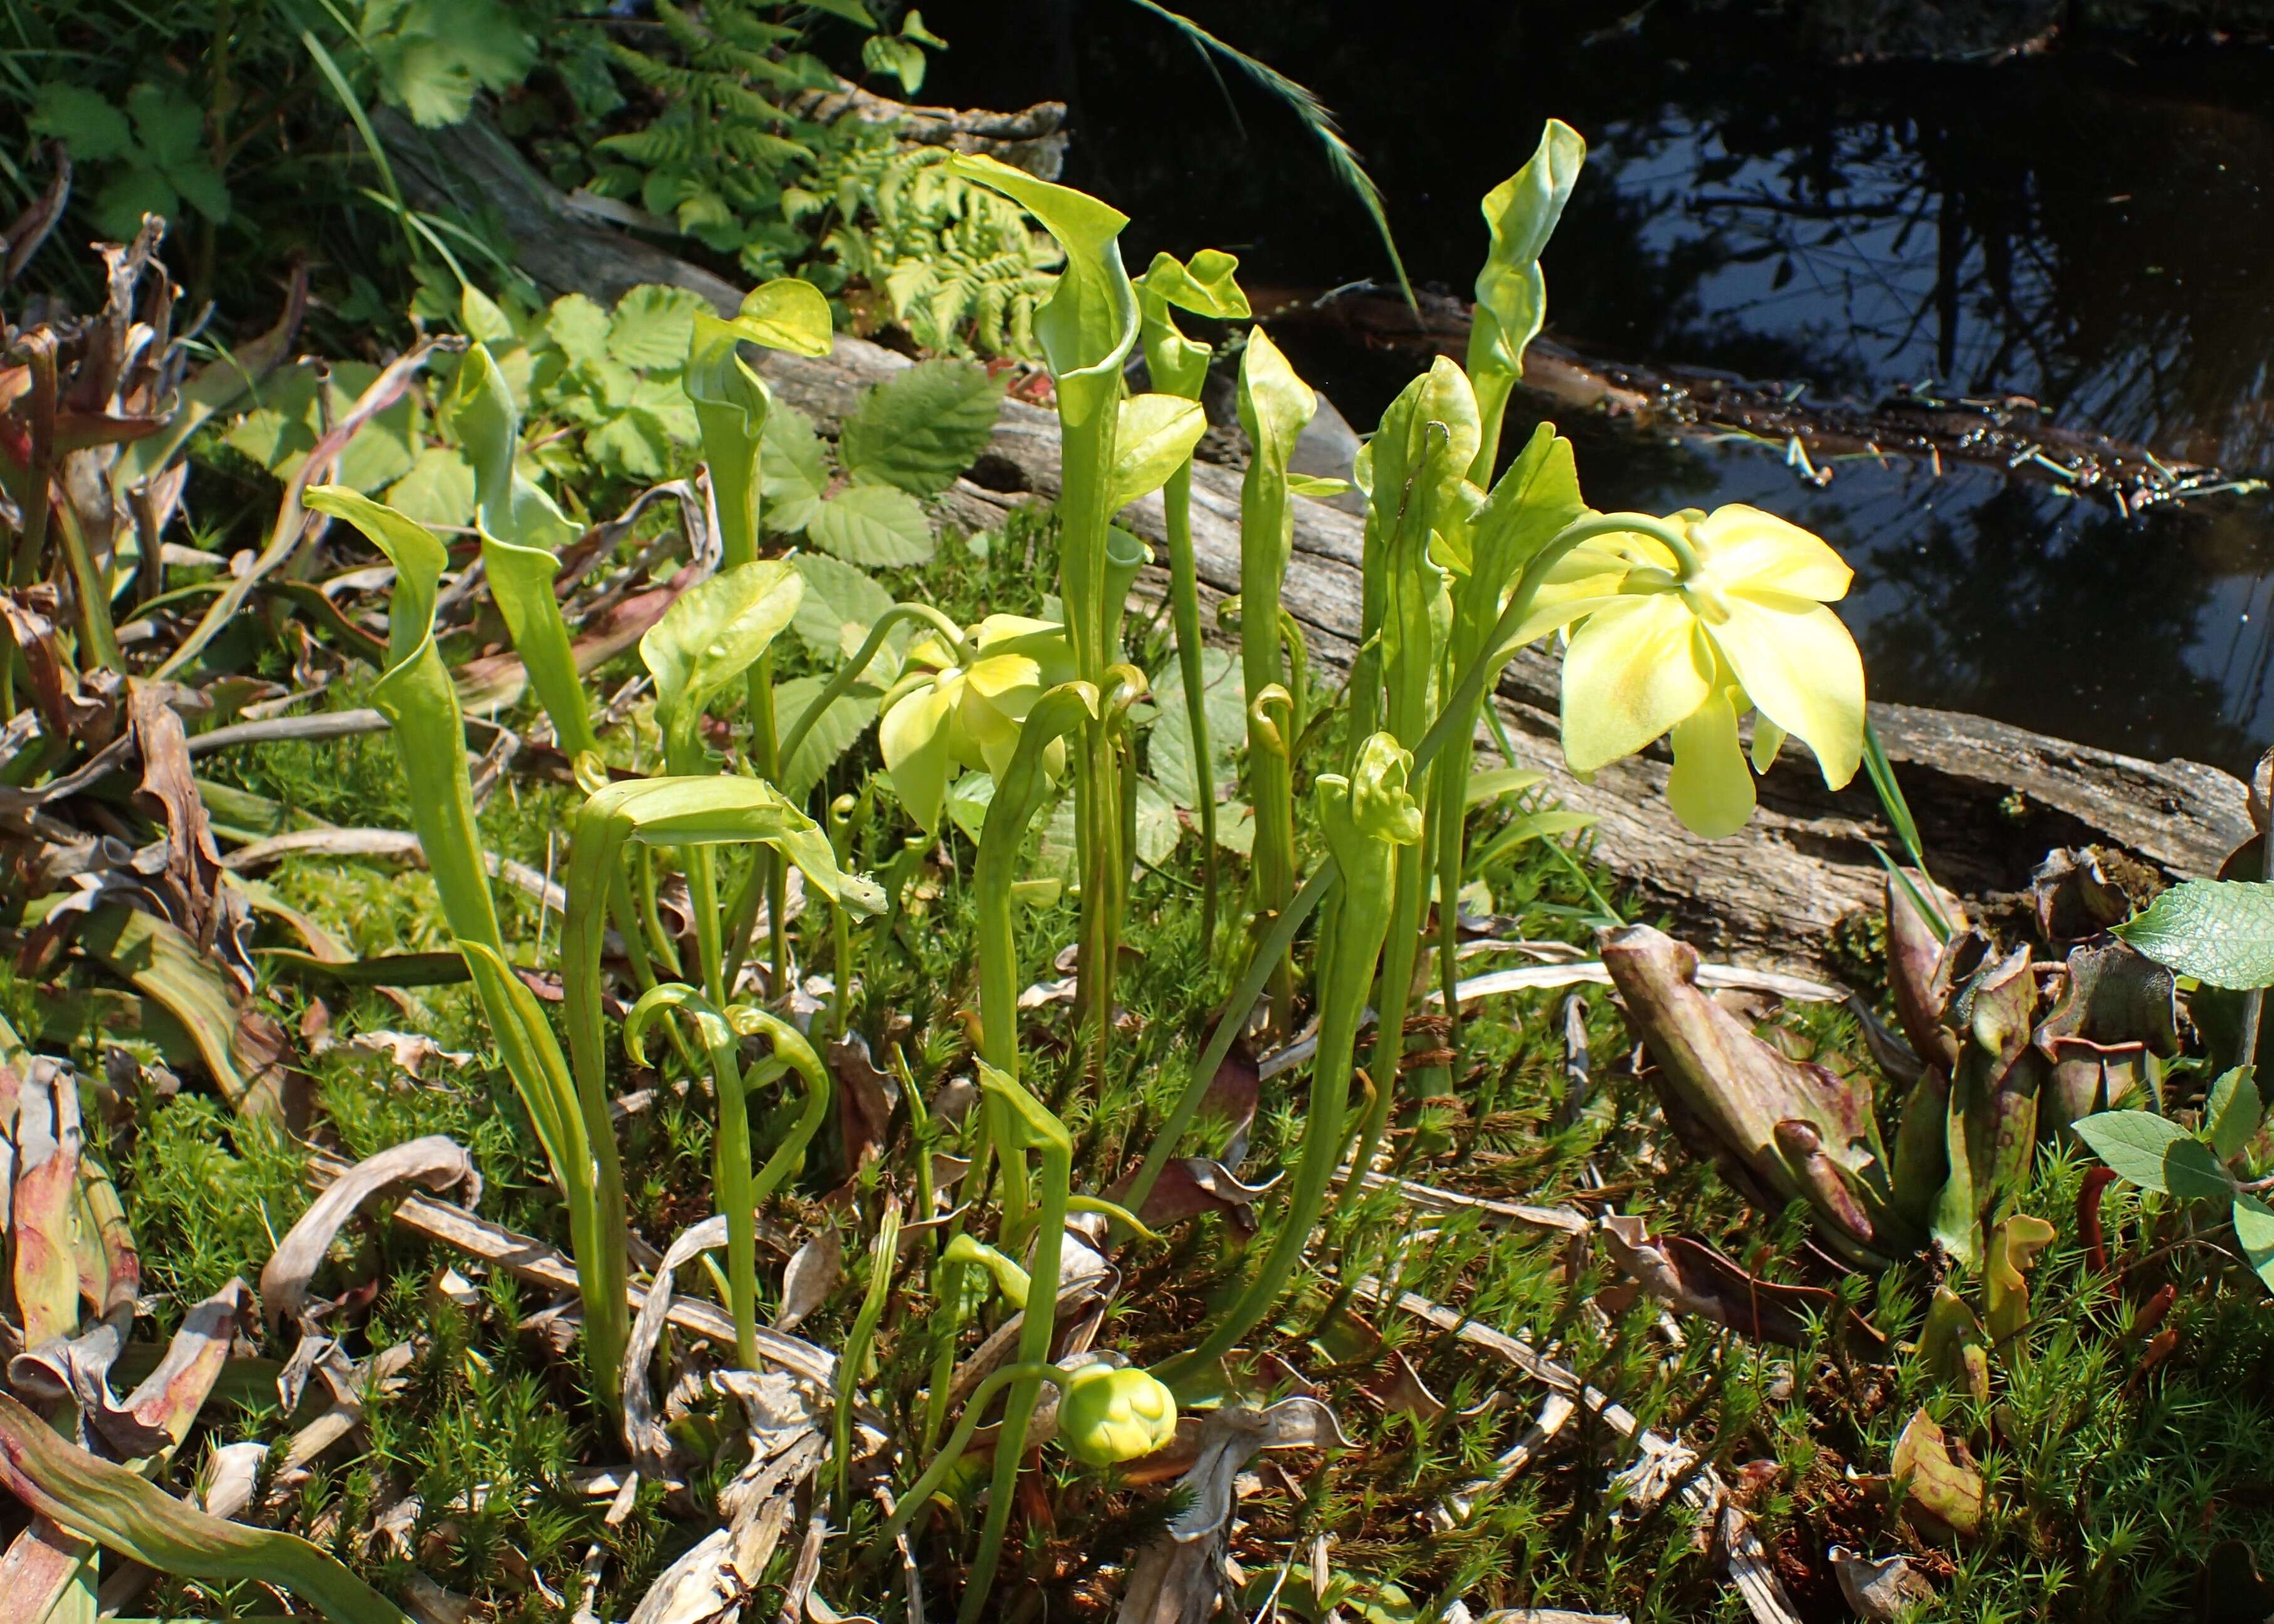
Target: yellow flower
967,714
1663,643
1106,1416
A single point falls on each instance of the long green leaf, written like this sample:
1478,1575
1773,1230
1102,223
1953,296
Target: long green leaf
142,1522
1316,117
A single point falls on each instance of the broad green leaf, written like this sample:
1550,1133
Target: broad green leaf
2132,1143
921,427
784,313
872,524
665,399
434,56
1155,438
484,320
712,633
122,1510
652,324
438,490
633,443
836,731
83,120
839,605
284,428
1158,827
2221,932
968,797
1169,743
793,471
2232,1114
578,324
2254,1230
2192,1172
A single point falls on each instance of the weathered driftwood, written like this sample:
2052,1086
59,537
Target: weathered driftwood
1991,800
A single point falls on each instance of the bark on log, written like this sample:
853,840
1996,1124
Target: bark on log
1991,800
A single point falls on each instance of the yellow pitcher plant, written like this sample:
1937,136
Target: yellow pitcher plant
964,705
1680,627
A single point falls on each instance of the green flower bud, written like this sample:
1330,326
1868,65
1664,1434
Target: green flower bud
1106,1416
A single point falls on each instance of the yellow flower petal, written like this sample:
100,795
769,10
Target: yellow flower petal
1635,667
999,676
1710,789
914,738
1744,547
1768,738
1800,669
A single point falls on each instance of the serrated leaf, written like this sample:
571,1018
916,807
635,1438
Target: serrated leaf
652,324
2253,1231
1169,743
1155,438
82,120
792,471
873,525
2132,1143
2221,932
2233,1112
924,427
130,193
169,125
580,327
834,732
438,491
633,442
1158,827
841,603
968,797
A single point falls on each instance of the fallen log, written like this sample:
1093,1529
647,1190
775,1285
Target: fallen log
1991,800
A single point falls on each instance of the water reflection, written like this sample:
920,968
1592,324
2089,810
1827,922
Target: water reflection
2089,233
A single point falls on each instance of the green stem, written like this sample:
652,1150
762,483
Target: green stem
855,1353
920,1492
1185,605
1037,1328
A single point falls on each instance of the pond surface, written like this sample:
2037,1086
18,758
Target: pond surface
2091,231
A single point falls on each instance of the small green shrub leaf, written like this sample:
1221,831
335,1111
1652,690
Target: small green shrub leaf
2132,1143
921,428
839,605
83,120
2221,932
831,735
791,470
439,490
872,524
2232,1114
580,327
2192,1172
652,324
2254,1229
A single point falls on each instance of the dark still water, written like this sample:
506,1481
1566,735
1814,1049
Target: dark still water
2093,230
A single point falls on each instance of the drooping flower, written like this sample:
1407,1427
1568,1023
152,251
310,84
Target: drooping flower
968,713
1108,1415
1660,644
